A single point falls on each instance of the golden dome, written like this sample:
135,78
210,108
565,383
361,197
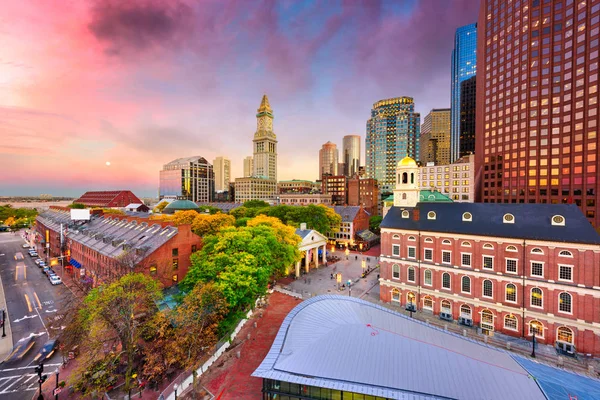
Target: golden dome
407,162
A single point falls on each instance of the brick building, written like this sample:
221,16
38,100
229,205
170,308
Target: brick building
304,199
108,199
354,219
364,192
336,186
510,268
108,246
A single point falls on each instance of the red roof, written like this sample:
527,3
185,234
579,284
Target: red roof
110,198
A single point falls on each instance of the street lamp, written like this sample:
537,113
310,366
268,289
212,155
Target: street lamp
56,389
175,386
3,322
347,252
363,264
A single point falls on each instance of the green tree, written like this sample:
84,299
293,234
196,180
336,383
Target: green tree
242,221
318,217
76,206
374,223
256,204
245,212
210,209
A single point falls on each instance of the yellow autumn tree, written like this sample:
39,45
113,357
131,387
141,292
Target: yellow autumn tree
205,225
10,221
184,217
284,233
160,206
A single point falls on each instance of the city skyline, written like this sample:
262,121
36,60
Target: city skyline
97,83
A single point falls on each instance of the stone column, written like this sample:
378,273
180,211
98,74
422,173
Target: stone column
306,260
315,254
324,255
298,269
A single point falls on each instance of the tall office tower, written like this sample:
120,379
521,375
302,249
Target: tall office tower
248,166
190,178
435,137
351,154
464,66
468,99
222,168
328,160
537,91
392,134
265,143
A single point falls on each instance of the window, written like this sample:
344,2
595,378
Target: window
396,295
537,269
488,288
511,248
428,240
488,262
175,278
487,320
446,307
565,334
510,322
446,257
511,293
465,311
396,237
565,273
467,217
431,215
428,277
446,241
446,280
153,269
466,284
537,297
564,302
511,265
465,244
194,248
395,271
175,263
466,259
488,246
396,250
405,213
411,274
428,255
410,298
537,250
536,327
412,252
508,219
427,303
411,238
565,253
175,252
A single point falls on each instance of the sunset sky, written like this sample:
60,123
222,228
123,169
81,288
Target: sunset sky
140,83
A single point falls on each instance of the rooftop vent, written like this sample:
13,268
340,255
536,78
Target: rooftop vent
508,219
558,220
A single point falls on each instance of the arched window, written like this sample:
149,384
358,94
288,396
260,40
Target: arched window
536,327
537,297
404,177
403,196
511,248
410,297
488,288
411,238
411,274
564,302
446,307
510,322
564,334
465,244
396,295
511,293
537,250
428,240
395,271
427,303
446,241
487,320
565,253
428,277
465,311
446,280
466,284
396,237
488,246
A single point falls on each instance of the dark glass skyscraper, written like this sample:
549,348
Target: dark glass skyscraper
392,133
464,66
468,100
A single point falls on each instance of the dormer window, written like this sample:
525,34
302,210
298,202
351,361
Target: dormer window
467,217
508,219
431,215
405,214
558,220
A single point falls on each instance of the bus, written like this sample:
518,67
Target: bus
19,256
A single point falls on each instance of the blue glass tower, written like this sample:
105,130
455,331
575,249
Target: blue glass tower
464,66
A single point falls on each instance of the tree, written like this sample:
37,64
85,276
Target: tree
256,204
205,225
318,217
10,221
160,206
184,217
210,209
374,223
76,206
284,233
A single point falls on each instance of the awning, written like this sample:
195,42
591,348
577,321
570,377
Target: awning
75,263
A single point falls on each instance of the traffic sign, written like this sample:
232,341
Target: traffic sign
56,391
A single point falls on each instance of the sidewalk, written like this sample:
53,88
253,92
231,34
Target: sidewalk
6,343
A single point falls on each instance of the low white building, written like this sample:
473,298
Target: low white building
304,199
312,247
457,180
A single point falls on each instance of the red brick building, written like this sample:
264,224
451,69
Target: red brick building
537,103
354,220
108,199
510,268
364,192
108,246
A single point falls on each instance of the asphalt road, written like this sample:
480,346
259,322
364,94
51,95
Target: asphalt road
34,308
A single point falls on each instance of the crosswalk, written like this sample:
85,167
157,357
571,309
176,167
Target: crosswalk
18,383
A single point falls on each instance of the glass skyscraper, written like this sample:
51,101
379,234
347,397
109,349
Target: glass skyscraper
464,66
392,133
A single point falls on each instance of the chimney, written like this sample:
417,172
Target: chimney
416,214
303,226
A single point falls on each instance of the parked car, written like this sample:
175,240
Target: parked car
46,269
46,351
33,254
49,271
37,261
42,264
55,280
25,245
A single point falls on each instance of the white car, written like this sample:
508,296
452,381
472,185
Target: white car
38,261
26,245
55,280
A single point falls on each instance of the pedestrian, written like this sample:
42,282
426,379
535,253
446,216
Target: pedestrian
331,276
355,258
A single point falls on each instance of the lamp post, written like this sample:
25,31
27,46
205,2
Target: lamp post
175,386
533,344
347,252
349,288
3,323
363,264
55,392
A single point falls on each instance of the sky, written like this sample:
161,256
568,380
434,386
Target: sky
139,83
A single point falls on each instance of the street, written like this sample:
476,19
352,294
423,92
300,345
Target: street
33,309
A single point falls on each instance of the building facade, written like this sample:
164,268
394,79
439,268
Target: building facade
392,133
108,199
222,169
253,188
351,154
468,101
190,178
364,192
328,160
337,187
537,123
456,180
248,166
510,268
435,137
464,66
354,219
296,186
265,143
304,199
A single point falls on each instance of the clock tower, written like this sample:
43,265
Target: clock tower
265,143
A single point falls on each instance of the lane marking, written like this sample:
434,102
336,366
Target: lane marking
17,273
17,379
37,299
25,272
20,368
24,318
28,303
42,320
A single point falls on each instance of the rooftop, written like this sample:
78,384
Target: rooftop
180,205
349,344
348,213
